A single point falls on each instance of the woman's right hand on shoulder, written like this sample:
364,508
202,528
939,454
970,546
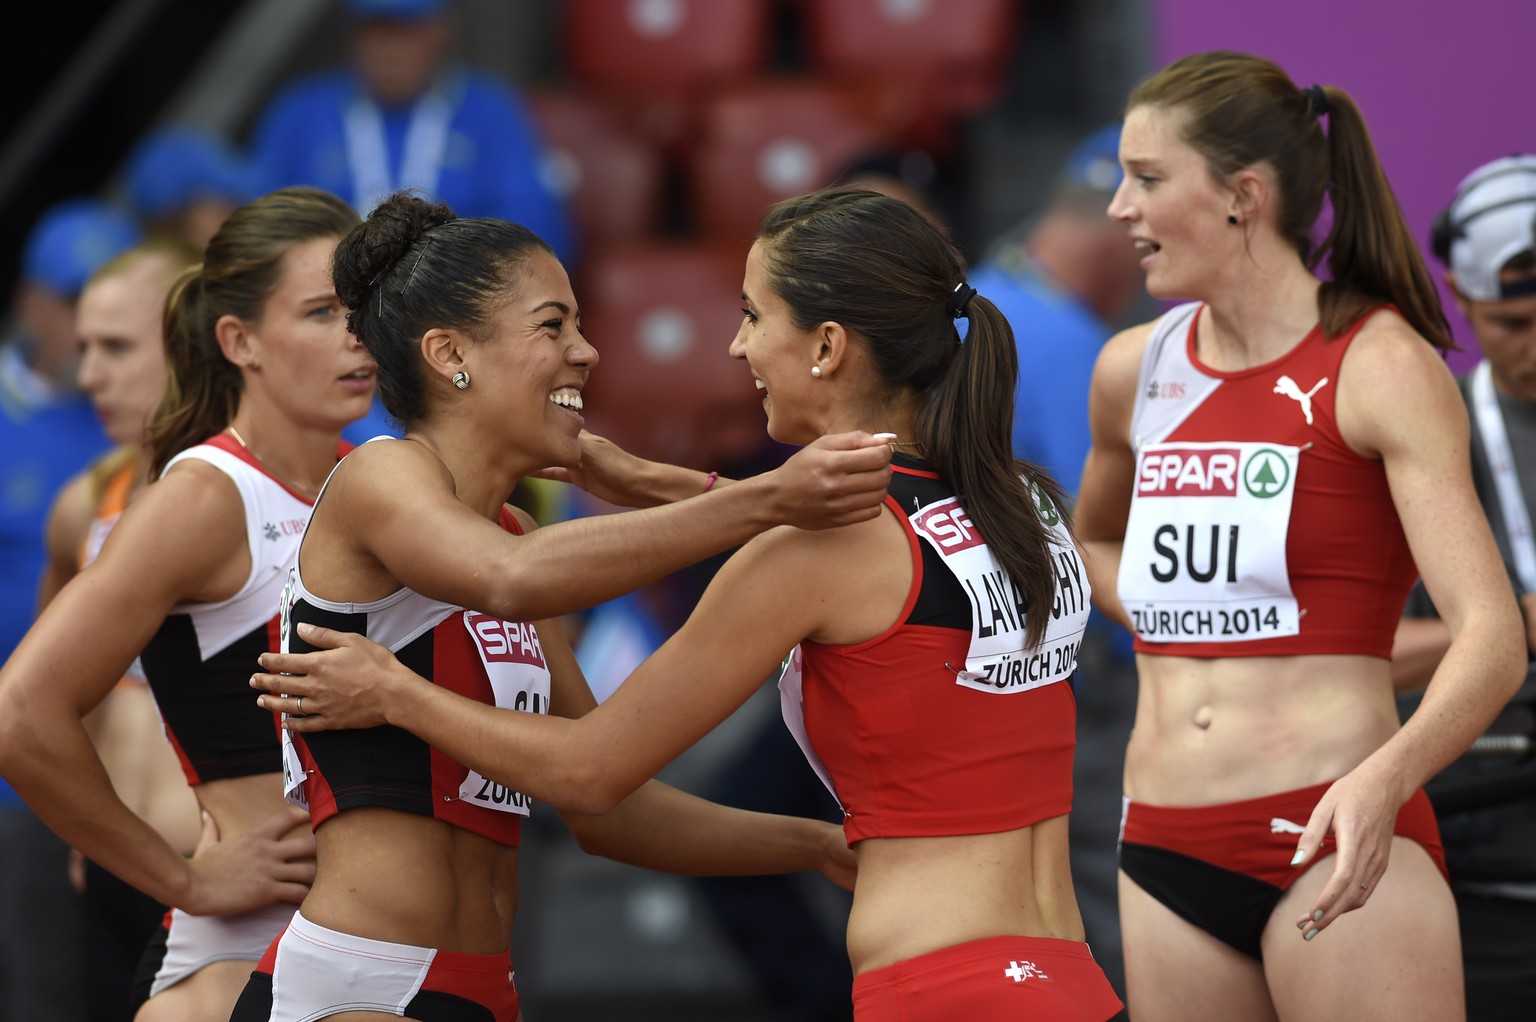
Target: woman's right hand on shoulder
265,865
838,480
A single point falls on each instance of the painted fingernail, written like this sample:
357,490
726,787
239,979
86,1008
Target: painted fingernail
1317,915
885,436
1298,856
1310,934
1302,925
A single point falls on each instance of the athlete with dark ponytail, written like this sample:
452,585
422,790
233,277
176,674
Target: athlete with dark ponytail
1269,464
929,648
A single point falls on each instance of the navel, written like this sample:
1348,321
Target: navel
1202,718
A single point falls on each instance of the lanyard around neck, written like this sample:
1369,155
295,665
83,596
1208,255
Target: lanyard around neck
1506,483
426,142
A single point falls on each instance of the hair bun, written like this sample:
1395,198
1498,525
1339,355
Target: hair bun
368,253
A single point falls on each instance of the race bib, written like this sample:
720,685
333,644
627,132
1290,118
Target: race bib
792,706
999,660
1204,552
514,664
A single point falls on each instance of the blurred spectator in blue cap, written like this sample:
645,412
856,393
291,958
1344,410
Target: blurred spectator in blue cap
403,117
183,183
48,432
1065,278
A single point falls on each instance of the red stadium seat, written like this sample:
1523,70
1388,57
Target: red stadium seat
952,54
766,140
662,316
658,56
609,176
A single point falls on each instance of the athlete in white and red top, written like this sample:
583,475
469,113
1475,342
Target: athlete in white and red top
929,647
263,370
1268,464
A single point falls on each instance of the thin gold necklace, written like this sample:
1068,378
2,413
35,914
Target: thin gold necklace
232,431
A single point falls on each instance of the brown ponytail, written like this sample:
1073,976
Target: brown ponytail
1241,110
240,270
887,273
1371,253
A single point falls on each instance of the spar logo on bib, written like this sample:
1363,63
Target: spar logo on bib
1267,473
1188,472
505,642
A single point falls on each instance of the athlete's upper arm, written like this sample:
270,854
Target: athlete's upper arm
181,540
69,522
1104,500
1397,401
766,598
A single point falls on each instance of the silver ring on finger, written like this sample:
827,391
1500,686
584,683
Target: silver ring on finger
298,711
1365,887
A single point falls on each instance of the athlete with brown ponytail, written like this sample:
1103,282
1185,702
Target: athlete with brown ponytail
1269,463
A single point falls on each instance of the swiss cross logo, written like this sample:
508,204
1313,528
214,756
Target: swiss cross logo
947,524
1020,971
505,642
1188,472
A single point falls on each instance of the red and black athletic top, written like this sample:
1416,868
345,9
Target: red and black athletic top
476,655
907,747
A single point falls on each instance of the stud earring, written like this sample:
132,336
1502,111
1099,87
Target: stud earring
815,370
461,380
1232,219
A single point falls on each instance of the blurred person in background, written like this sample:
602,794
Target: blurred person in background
1486,800
403,117
183,183
48,432
122,370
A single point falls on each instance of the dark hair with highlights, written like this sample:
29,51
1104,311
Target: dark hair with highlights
1240,110
238,274
887,273
414,266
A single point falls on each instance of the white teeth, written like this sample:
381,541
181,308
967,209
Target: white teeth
1142,245
760,384
564,400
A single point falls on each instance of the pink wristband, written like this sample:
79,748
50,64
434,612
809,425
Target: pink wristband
711,481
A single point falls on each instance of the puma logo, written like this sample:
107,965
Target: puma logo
1277,825
1287,386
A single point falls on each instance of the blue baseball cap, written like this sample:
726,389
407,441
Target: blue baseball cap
1095,163
175,167
72,240
396,10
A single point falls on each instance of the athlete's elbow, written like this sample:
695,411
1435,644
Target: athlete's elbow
591,789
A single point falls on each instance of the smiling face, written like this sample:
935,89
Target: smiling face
528,371
780,356
306,360
122,346
1175,211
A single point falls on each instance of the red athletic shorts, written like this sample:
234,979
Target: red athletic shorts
998,979
1225,867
